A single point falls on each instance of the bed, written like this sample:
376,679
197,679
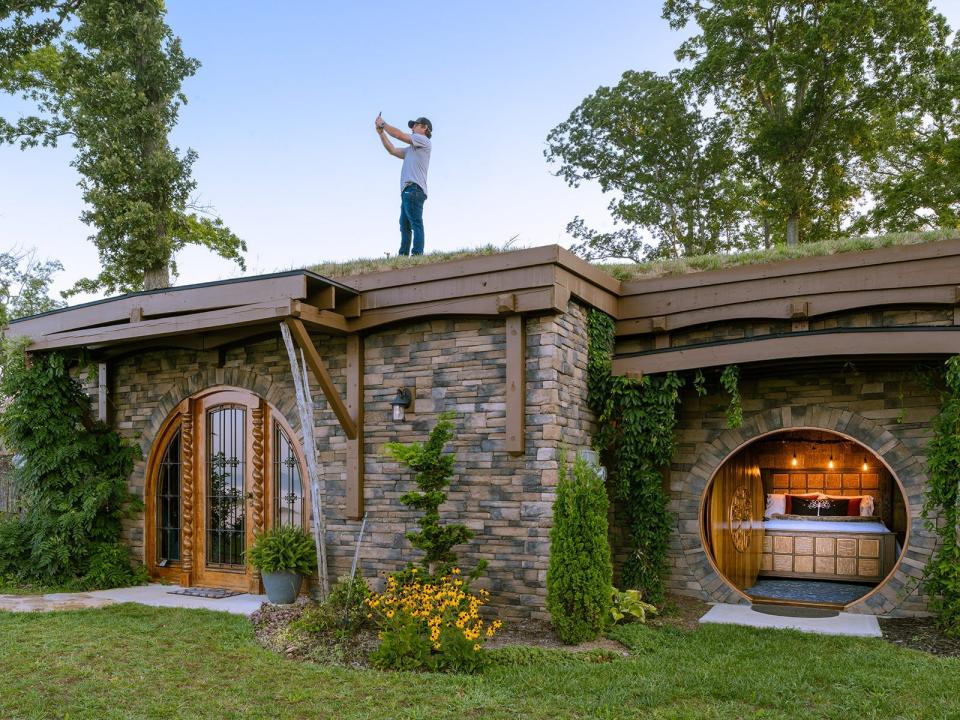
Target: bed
860,549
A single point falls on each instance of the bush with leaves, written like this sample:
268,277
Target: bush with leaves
284,549
942,505
580,571
344,612
71,483
433,471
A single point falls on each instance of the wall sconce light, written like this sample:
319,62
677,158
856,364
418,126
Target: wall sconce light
400,403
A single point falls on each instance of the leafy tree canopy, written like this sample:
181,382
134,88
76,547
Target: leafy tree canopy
812,88
107,74
25,285
670,169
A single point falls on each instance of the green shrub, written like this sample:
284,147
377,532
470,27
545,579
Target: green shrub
433,471
629,605
344,611
284,549
72,483
580,571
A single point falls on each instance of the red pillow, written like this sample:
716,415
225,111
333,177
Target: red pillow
855,505
789,507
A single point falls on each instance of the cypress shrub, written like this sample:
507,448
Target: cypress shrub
580,573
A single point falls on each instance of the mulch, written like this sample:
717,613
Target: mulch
919,634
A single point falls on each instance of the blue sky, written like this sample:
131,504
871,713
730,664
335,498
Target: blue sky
281,113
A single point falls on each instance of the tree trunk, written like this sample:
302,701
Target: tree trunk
156,278
793,229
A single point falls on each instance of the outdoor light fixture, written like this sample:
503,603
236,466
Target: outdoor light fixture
400,403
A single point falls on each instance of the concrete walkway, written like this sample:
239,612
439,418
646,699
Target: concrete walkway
154,595
842,624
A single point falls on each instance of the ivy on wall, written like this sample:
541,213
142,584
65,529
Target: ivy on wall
942,505
71,479
636,421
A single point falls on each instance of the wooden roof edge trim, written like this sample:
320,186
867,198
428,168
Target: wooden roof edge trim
579,266
782,346
783,308
459,267
793,266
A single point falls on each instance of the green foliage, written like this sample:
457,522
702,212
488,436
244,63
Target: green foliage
344,611
108,74
942,505
25,285
629,602
636,421
433,471
71,482
671,170
814,90
580,570
284,549
730,381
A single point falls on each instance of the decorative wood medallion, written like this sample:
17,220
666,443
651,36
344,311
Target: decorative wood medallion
740,519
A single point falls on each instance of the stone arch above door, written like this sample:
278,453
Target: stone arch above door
280,396
908,471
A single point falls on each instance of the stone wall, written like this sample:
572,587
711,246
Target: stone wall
456,365
886,409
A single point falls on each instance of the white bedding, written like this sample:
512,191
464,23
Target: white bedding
825,526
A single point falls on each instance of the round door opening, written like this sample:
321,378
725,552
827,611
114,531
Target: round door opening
804,517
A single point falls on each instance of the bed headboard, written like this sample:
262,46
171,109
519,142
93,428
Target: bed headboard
843,481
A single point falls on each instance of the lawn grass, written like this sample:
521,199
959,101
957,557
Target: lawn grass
130,661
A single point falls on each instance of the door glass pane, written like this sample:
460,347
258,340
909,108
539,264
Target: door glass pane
168,503
226,469
288,489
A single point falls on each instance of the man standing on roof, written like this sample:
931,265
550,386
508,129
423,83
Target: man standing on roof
413,177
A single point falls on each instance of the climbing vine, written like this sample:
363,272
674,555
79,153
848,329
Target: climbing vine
71,479
942,505
730,381
636,420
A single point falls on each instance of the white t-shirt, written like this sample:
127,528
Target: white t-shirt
416,162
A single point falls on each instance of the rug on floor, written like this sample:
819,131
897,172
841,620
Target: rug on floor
209,593
824,591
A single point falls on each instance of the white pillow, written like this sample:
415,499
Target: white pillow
866,505
776,504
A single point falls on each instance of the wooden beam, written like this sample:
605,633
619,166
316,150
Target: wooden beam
801,345
163,327
546,299
354,510
325,298
782,309
323,320
102,388
596,296
212,296
302,338
516,385
349,308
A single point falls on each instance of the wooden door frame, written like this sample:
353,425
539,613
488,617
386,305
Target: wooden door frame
189,417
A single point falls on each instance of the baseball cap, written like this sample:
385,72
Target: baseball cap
422,121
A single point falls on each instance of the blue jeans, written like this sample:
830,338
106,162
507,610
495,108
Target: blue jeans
411,219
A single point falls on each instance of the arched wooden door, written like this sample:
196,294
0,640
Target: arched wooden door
225,466
735,520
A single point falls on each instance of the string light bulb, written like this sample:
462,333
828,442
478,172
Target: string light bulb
830,464
794,461
864,463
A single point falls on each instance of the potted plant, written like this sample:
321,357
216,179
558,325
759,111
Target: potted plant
283,556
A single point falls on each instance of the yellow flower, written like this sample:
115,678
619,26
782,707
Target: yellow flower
476,647
389,614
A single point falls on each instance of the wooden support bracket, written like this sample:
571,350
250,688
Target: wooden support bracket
354,509
102,387
302,338
516,385
800,315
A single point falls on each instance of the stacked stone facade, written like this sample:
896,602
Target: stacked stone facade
449,365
